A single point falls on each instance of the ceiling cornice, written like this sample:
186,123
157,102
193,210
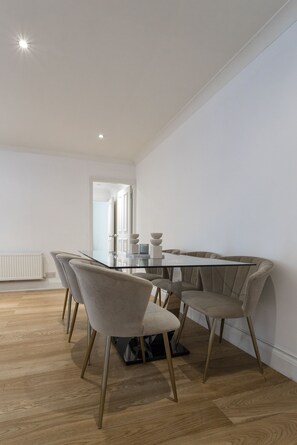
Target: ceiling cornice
277,25
85,157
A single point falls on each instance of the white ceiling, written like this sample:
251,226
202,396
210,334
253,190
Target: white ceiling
123,68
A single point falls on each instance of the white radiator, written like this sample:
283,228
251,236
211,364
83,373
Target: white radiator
21,266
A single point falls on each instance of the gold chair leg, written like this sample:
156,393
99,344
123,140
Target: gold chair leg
65,303
254,340
182,323
104,380
142,346
156,295
210,344
88,353
222,329
160,297
208,322
89,333
69,312
73,321
170,365
168,294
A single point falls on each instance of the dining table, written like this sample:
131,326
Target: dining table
129,348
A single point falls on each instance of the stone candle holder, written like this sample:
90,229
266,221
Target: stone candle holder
133,244
156,245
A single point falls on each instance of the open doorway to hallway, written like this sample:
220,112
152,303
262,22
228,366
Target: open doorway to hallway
112,216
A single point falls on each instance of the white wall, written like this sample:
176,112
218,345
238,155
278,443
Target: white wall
226,181
45,202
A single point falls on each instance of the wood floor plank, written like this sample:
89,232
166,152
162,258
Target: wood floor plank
280,429
43,400
250,405
161,421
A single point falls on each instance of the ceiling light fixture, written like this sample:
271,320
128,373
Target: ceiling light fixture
23,44
101,136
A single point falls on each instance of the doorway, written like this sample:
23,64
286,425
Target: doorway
112,216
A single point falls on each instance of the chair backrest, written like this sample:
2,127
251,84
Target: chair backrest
115,301
163,271
59,267
243,282
64,259
192,275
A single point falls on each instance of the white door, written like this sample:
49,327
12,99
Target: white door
124,218
111,234
100,225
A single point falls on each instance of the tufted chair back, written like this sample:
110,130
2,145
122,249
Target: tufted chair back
245,283
192,275
115,302
59,267
163,271
64,259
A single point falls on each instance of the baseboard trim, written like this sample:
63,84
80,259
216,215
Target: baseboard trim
15,286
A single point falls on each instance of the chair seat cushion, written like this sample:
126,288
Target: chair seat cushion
158,320
147,276
173,286
213,304
163,283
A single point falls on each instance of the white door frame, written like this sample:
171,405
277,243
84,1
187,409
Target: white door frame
92,179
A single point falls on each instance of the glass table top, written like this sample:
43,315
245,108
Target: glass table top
121,261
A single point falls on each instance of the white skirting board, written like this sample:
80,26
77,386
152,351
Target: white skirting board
15,286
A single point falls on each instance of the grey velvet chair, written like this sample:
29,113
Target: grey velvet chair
151,274
190,278
229,292
64,283
118,306
74,289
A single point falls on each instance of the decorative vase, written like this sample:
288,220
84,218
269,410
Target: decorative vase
156,245
133,244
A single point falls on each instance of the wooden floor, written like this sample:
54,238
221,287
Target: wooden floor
43,401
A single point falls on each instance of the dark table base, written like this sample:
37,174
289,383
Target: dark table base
130,351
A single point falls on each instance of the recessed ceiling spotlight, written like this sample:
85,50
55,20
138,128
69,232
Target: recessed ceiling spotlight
23,44
101,136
